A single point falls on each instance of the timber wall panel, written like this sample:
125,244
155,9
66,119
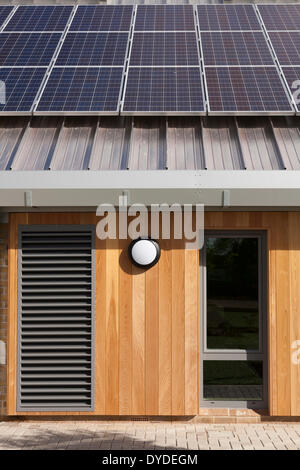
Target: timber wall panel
294,235
279,243
125,332
146,322
146,335
3,315
165,329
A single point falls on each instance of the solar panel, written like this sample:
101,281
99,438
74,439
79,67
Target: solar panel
82,90
39,18
164,18
292,75
4,12
174,48
22,86
286,46
163,90
280,17
93,49
227,18
27,49
246,90
235,48
102,18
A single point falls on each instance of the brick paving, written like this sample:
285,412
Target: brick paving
76,435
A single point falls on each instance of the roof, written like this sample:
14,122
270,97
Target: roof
83,161
152,143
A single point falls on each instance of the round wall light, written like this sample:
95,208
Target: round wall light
144,252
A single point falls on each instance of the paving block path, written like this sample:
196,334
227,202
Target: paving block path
76,435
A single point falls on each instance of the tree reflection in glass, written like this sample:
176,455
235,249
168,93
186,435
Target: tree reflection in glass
232,293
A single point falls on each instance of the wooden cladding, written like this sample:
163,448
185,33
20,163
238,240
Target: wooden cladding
146,326
147,322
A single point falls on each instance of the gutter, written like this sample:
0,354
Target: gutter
236,188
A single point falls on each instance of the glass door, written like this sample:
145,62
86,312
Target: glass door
233,366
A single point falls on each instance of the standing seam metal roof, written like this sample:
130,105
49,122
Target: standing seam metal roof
152,143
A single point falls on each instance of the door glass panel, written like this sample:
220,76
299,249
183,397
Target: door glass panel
233,380
232,293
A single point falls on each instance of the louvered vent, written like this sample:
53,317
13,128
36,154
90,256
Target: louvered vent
55,318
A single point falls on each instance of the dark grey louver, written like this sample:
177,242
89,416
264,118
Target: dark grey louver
55,318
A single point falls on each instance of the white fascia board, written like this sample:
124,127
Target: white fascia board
156,179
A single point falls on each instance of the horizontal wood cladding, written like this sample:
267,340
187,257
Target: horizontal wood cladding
146,326
146,322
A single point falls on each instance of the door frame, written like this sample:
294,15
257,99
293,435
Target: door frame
262,354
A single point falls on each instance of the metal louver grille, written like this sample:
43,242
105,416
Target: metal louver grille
55,318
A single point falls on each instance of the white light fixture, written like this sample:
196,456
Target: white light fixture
144,252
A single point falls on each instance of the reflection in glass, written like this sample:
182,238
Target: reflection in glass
233,380
232,293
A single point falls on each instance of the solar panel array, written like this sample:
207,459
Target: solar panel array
282,23
150,59
164,73
241,75
87,75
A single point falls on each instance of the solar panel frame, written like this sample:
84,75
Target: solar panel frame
157,15
289,20
221,14
27,49
158,62
71,83
221,48
93,10
31,79
5,11
151,75
34,23
93,49
245,84
175,48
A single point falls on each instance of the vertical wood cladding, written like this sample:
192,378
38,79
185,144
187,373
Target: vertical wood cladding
146,335
146,322
3,315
